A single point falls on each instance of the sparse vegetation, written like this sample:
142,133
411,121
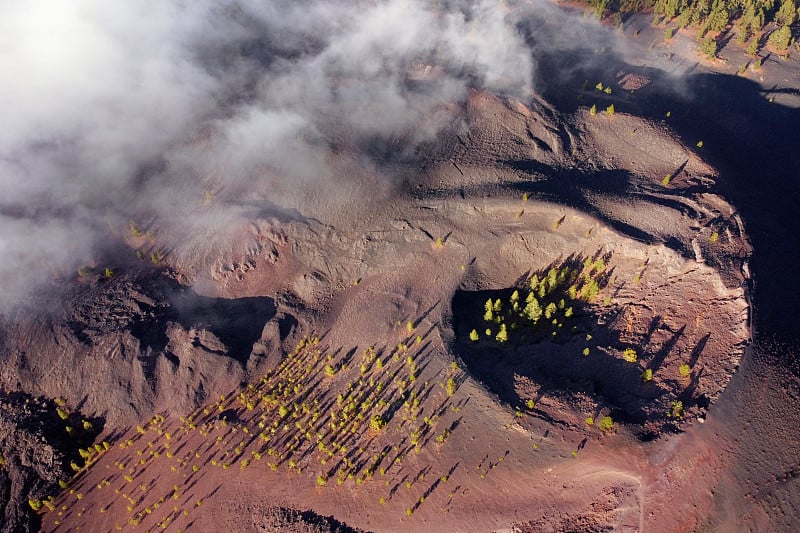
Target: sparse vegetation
347,439
544,303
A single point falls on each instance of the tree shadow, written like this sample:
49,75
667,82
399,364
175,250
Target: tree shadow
747,137
549,353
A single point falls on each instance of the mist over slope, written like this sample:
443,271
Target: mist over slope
154,106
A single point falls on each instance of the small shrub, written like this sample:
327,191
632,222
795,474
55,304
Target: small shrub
450,387
647,375
135,231
676,410
629,354
377,423
606,424
610,110
473,335
684,370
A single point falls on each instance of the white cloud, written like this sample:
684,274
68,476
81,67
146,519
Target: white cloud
95,92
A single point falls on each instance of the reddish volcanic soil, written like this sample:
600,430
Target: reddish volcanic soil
332,365
312,370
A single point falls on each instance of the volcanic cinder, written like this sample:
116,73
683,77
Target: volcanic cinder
530,320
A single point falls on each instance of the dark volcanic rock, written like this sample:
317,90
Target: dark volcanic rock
34,450
279,519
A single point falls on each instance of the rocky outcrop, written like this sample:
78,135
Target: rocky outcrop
34,456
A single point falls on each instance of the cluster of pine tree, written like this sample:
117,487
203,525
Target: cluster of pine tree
752,16
544,303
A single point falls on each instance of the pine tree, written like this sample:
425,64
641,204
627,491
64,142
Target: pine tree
752,48
533,311
781,38
787,13
709,47
719,17
502,335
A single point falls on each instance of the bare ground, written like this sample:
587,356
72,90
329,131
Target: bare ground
221,312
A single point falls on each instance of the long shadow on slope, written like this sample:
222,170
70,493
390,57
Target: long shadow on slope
549,354
145,303
579,189
238,322
748,138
